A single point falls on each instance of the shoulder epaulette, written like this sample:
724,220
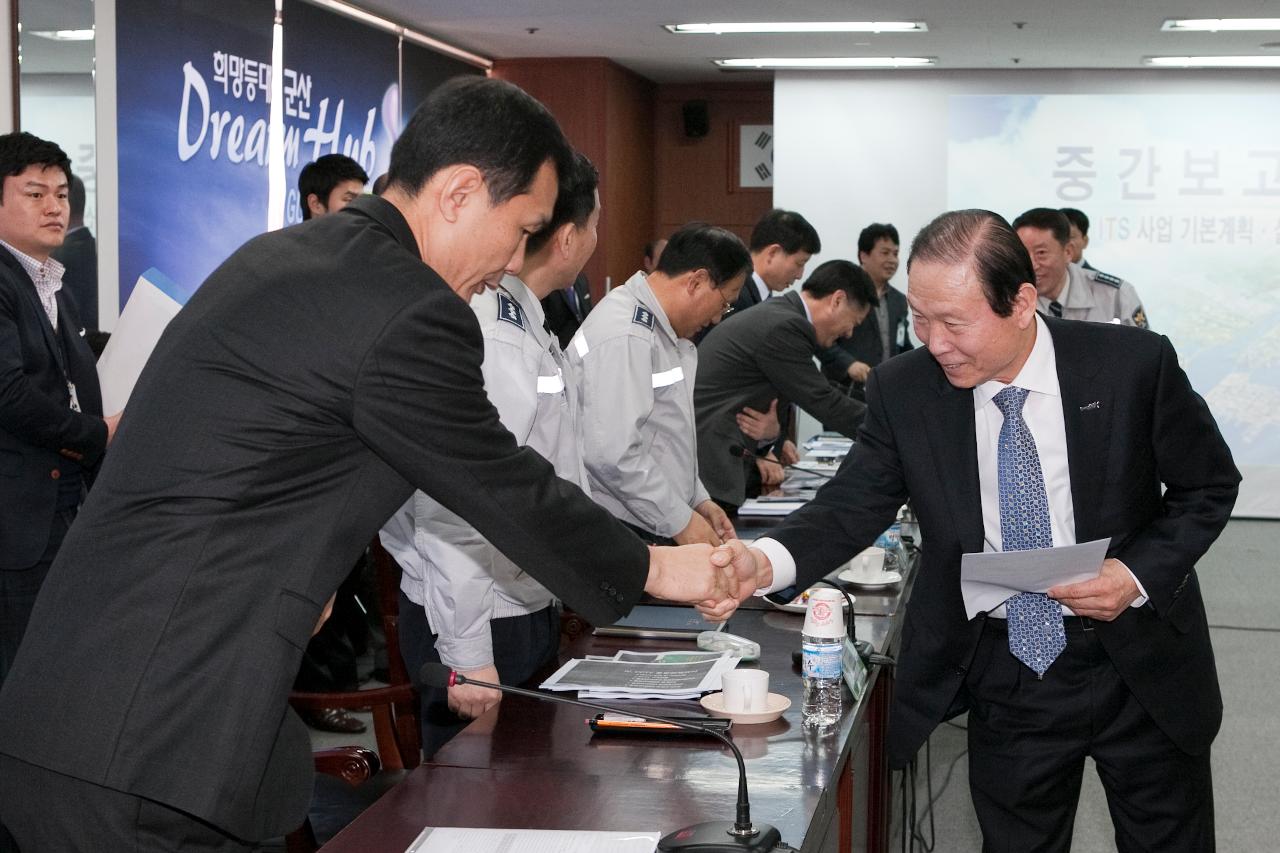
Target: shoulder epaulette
509,311
1107,278
643,317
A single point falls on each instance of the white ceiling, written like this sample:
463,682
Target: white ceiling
962,33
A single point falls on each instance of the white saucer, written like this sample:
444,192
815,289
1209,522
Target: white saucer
775,705
878,581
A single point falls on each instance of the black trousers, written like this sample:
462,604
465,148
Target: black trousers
1028,739
522,645
42,811
19,588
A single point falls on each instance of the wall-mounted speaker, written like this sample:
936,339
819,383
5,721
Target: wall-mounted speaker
697,121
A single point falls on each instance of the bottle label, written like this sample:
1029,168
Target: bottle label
821,660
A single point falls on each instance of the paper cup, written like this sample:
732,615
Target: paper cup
825,614
746,691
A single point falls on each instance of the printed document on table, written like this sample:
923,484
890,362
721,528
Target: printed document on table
989,579
620,677
448,839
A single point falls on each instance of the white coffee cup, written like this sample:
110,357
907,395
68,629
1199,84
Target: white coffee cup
746,691
869,564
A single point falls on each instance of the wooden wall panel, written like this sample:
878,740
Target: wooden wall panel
605,111
694,176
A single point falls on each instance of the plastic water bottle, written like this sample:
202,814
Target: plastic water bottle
891,542
822,645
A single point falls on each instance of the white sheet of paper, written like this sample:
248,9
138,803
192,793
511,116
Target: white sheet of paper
988,579
144,319
448,839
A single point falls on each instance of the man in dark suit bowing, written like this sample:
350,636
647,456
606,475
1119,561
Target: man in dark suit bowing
52,433
766,354
315,379
1009,430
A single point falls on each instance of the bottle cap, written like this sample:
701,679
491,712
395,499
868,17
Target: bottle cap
824,616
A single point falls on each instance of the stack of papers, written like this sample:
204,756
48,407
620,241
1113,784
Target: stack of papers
643,675
770,506
828,447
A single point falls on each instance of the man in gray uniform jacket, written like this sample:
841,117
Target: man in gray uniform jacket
463,602
638,365
1068,290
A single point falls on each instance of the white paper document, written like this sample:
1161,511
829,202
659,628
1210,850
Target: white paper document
682,675
448,839
989,579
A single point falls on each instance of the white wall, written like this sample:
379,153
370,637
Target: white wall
855,148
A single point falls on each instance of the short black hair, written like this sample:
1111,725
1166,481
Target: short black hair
574,201
20,150
699,246
1046,219
787,229
985,240
874,233
325,173
76,196
842,275
483,122
1076,217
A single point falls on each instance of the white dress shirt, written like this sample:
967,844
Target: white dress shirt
1042,412
761,287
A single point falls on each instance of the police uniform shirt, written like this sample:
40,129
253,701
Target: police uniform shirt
449,568
1097,296
639,432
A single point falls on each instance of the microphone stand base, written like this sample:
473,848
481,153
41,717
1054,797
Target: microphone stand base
714,837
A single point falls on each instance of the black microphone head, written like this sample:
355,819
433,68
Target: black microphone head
738,451
436,675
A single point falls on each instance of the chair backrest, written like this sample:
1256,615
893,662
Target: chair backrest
394,707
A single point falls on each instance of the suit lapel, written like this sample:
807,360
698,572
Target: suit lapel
28,288
948,423
1088,411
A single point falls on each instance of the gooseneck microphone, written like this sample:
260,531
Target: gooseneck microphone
709,837
740,452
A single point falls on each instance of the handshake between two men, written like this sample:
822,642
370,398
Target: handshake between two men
715,580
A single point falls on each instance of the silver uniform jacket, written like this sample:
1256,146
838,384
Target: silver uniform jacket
639,433
1101,297
449,568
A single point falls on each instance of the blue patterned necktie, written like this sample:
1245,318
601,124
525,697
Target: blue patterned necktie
1036,635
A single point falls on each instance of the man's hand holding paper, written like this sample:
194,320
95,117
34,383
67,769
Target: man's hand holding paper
1104,597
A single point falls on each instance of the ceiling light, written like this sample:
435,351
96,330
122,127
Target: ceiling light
1215,25
1213,61
801,27
828,62
64,35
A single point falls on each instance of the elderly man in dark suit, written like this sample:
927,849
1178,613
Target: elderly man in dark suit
315,379
766,354
1010,430
52,433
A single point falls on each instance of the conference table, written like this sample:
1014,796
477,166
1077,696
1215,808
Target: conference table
536,765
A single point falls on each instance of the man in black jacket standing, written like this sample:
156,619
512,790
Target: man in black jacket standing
52,433
315,379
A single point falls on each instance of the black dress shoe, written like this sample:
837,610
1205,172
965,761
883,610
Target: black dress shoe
333,720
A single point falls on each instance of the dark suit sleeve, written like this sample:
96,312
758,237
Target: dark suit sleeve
835,361
27,413
420,405
1201,482
855,507
786,359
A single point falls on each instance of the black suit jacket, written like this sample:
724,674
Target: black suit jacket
38,428
317,377
1133,423
747,296
79,254
864,344
751,359
561,321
